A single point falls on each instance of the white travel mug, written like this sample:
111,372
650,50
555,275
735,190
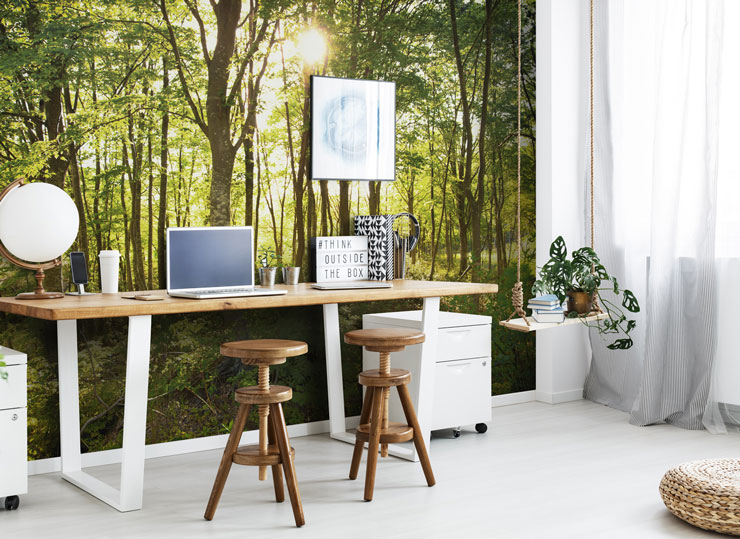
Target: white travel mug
109,261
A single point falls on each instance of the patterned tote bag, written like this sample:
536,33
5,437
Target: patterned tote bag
379,232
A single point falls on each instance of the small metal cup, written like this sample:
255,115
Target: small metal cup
267,277
291,275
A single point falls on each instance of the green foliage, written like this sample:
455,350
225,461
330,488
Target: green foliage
267,258
584,272
3,372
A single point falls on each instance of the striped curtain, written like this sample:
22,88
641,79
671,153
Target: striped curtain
664,150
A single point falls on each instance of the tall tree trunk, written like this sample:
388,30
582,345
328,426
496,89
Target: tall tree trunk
134,174
344,208
150,215
128,281
74,173
479,199
374,197
249,176
463,191
163,155
325,207
257,201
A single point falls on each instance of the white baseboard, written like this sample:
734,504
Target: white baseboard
508,399
560,396
179,447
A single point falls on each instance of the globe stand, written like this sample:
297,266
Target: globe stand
40,293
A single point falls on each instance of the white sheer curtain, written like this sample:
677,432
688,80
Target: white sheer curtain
667,189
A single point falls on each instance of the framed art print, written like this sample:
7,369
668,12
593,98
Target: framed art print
353,129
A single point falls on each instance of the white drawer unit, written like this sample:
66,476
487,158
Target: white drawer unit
13,420
462,385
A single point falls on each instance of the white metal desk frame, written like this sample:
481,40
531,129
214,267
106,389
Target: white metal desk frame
130,495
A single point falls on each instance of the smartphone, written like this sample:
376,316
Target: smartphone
78,266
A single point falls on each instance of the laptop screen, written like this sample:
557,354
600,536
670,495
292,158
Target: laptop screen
210,257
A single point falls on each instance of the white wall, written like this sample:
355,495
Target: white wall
563,355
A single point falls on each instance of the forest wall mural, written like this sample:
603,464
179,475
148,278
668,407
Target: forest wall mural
157,113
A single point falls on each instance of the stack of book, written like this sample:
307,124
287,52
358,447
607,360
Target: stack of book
547,309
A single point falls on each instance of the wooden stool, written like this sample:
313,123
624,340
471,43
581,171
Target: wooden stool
374,426
274,446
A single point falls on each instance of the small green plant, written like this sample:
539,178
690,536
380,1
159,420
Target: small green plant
584,272
267,258
3,372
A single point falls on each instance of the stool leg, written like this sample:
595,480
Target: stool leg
386,399
408,410
376,420
359,444
264,385
277,474
281,433
385,368
223,469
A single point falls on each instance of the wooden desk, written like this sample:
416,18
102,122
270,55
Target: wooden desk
66,311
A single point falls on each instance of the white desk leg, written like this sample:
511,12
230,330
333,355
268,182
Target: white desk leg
334,383
134,412
129,498
427,360
69,396
430,327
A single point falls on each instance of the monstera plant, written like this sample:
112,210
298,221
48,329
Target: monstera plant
580,280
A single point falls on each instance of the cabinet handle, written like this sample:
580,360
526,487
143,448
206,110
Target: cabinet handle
453,364
459,330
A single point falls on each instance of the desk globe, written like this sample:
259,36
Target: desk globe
38,223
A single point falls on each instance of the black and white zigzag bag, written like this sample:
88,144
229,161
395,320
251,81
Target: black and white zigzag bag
379,232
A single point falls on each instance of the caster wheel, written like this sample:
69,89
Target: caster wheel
481,427
12,503
456,433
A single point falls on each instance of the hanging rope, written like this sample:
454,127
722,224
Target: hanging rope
517,293
594,300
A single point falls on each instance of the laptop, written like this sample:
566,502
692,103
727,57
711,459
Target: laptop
212,262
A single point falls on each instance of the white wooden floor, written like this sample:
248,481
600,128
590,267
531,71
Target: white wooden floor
571,470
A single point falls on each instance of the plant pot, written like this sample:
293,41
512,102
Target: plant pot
267,277
579,302
291,275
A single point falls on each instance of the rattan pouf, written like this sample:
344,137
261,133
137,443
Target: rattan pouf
705,493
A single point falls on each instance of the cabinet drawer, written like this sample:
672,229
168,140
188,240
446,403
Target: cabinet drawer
462,393
13,454
13,390
463,342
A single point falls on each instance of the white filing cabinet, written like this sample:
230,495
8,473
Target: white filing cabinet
462,387
13,451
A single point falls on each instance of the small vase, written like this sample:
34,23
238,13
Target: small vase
579,302
291,275
267,277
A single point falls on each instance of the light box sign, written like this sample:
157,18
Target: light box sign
339,258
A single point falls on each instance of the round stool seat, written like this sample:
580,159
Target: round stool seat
249,455
254,395
394,433
263,351
384,339
705,493
375,378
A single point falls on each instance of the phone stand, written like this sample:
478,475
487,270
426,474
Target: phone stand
80,291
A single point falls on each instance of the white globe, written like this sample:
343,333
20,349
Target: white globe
38,222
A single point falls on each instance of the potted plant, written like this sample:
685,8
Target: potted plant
268,266
579,280
291,275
